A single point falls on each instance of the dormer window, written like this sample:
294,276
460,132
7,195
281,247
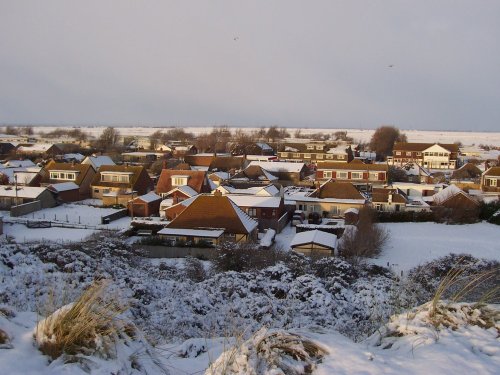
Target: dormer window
62,175
117,177
310,147
178,180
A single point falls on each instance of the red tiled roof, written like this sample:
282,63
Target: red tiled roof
197,180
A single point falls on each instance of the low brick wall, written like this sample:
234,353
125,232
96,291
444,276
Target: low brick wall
25,208
114,216
154,251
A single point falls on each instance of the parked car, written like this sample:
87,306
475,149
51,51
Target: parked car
298,217
315,218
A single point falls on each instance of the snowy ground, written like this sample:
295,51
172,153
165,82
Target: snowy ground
361,135
79,214
412,244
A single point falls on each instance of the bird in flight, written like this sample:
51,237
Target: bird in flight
236,38
391,66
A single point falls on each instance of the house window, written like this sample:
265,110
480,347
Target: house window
341,157
319,156
327,174
357,175
398,152
329,156
379,207
408,153
342,175
96,190
492,182
179,180
296,155
334,210
307,156
310,147
419,154
56,175
252,212
319,148
117,178
374,176
284,154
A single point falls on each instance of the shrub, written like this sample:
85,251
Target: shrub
365,240
89,325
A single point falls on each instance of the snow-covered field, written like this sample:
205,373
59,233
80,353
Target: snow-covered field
412,244
360,135
78,214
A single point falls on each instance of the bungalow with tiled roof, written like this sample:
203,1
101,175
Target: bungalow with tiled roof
253,175
454,198
70,181
355,172
117,184
288,173
218,215
389,200
331,199
490,180
428,155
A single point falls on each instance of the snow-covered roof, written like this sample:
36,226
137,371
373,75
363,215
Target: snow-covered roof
264,146
166,203
447,193
279,166
255,201
97,161
64,186
340,150
185,189
37,147
314,236
247,221
221,175
211,233
75,156
352,210
291,149
149,197
18,164
327,200
22,192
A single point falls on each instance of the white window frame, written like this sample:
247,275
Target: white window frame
342,175
356,175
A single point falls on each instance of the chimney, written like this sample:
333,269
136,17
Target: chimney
217,193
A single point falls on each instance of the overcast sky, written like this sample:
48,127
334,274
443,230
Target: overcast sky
333,64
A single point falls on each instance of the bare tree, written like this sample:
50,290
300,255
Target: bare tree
108,138
364,240
382,141
155,139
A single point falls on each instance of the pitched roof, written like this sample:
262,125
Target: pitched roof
352,166
82,170
413,146
98,161
448,193
22,192
314,236
197,180
135,171
338,190
226,163
210,211
18,163
382,195
277,166
149,197
63,186
256,172
493,171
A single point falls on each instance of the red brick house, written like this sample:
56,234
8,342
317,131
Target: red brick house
355,172
428,155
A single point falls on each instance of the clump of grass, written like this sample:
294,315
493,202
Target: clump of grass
277,352
90,324
4,337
